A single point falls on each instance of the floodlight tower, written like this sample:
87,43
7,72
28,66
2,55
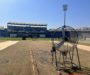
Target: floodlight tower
63,29
65,9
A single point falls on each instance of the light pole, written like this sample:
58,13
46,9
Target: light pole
63,29
65,9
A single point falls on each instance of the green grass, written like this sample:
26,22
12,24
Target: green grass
14,38
8,38
83,42
47,39
19,39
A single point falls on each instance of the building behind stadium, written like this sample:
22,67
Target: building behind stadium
30,30
15,29
26,29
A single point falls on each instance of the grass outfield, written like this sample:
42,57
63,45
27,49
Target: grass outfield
14,38
82,42
8,38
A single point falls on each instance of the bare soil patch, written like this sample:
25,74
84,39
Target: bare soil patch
16,60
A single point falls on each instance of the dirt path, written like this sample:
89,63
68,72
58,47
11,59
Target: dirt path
82,47
16,59
6,44
42,57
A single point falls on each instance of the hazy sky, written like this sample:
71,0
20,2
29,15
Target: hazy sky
45,12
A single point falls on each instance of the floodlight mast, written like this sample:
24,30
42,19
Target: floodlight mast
65,9
63,29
